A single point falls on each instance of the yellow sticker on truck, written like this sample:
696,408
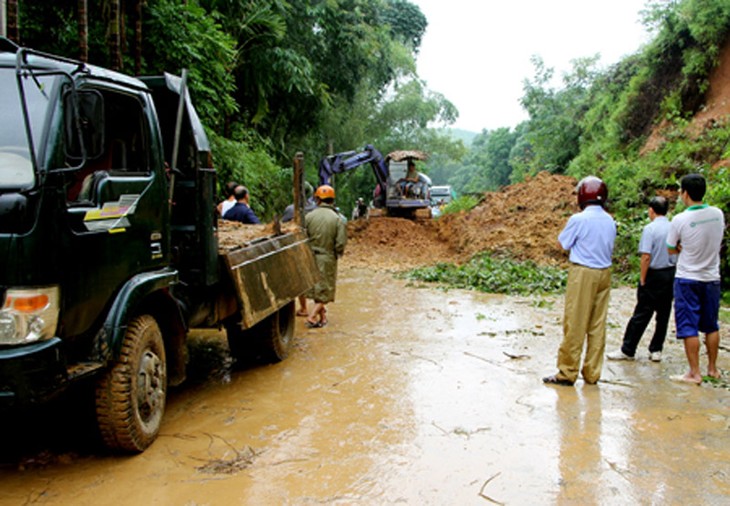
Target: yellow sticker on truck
112,216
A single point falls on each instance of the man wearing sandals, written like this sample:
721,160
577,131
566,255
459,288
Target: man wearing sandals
696,234
327,238
589,236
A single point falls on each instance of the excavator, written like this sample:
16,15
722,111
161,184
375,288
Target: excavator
400,190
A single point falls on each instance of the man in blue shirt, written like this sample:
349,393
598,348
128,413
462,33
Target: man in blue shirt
589,236
654,294
240,210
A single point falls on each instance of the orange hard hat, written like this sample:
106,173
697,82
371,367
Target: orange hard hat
325,192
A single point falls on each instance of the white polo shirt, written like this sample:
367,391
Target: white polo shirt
698,230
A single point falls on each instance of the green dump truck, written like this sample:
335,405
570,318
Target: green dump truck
109,244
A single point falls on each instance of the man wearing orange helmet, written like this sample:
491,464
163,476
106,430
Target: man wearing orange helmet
327,238
589,236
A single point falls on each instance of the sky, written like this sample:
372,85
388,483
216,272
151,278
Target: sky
477,52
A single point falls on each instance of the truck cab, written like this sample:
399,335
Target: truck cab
80,184
441,196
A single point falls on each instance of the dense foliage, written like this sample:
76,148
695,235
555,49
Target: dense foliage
270,78
276,77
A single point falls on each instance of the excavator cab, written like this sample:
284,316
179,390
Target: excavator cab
407,189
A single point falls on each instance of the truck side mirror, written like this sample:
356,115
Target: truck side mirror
83,124
13,212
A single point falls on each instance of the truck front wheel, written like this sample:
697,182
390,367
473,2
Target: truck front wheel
130,398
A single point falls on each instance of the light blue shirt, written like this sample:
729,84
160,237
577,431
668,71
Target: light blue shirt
589,235
654,242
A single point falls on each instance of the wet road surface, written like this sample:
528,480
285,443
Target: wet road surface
409,396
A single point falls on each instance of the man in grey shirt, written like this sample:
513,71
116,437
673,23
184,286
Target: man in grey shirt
654,294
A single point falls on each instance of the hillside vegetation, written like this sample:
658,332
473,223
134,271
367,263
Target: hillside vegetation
640,125
272,78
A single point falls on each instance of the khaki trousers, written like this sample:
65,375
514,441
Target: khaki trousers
584,320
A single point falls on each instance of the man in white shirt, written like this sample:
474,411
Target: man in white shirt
696,234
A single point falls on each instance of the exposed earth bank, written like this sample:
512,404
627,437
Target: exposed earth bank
523,221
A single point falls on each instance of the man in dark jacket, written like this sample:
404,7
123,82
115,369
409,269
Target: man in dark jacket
241,210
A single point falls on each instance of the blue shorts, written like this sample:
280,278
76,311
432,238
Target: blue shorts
696,307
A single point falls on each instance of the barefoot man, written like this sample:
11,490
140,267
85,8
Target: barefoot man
696,234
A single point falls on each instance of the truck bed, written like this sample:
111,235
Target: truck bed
268,267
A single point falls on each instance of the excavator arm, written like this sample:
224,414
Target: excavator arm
348,160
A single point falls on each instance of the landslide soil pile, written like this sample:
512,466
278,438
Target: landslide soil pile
522,221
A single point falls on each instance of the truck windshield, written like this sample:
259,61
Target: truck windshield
16,168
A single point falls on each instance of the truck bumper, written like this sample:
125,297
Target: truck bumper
407,203
32,374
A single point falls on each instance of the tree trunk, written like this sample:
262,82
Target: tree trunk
12,15
83,30
138,37
115,53
123,27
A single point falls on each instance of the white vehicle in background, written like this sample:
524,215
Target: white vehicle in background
441,196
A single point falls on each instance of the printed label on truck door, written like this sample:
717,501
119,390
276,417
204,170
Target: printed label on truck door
112,217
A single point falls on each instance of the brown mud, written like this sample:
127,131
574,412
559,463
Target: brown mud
410,396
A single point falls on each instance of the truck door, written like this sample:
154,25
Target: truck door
116,212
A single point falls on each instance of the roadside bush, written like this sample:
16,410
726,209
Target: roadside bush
464,203
248,163
491,274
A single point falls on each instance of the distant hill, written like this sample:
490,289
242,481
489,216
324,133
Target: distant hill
464,136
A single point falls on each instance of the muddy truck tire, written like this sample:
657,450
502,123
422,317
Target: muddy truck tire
130,398
269,340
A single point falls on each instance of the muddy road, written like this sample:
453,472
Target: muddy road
410,396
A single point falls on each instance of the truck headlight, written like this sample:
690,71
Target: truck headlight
29,314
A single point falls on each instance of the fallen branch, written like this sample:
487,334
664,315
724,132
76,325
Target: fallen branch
440,428
515,357
485,496
483,359
424,358
618,470
529,406
619,383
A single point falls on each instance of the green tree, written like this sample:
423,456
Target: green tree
487,165
553,131
184,36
